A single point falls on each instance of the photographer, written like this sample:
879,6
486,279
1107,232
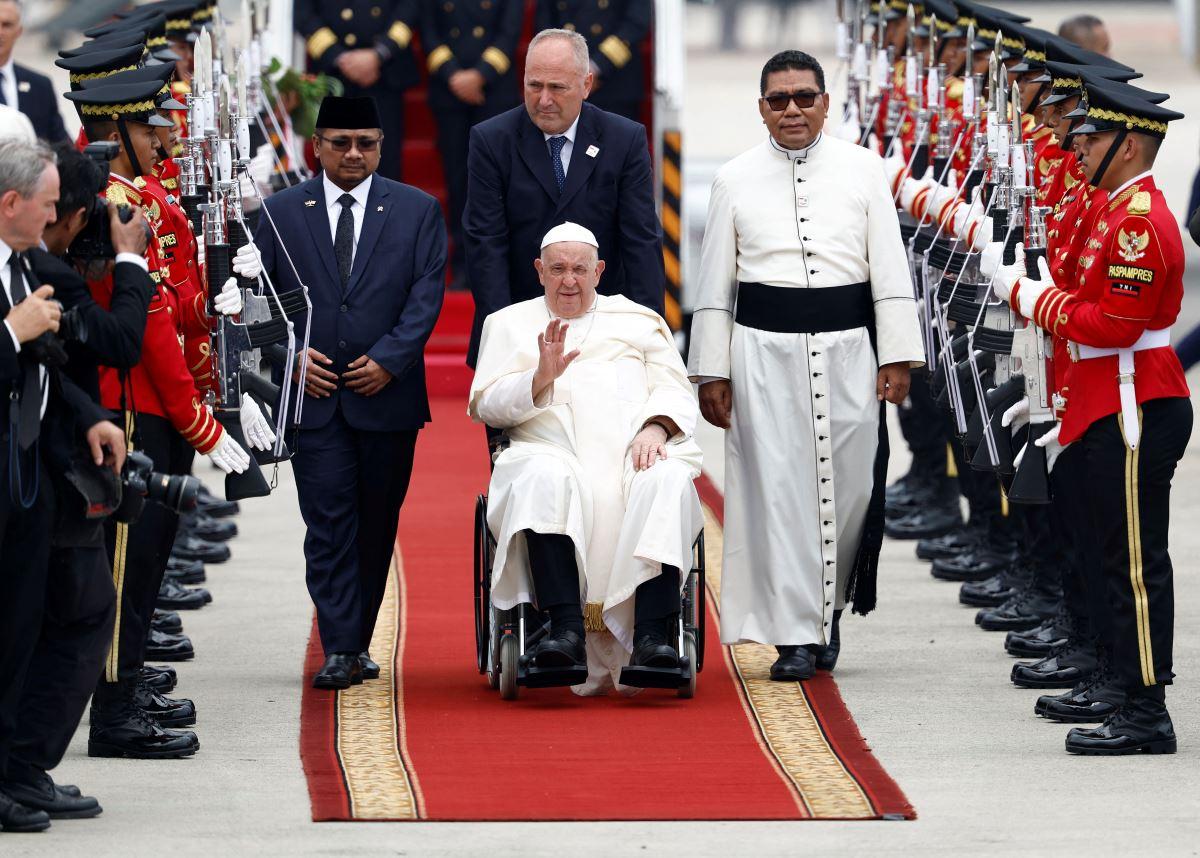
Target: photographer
80,599
42,416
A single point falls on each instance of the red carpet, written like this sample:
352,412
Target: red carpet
431,740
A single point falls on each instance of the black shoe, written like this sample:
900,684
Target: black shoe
196,523
559,648
42,794
980,562
164,647
949,544
794,664
652,650
193,548
1073,664
827,655
995,591
924,522
1029,607
340,671
161,678
1042,639
911,492
167,622
1142,726
370,669
165,711
186,571
16,817
1087,703
213,506
119,728
176,597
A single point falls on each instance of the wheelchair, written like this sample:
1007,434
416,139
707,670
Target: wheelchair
503,637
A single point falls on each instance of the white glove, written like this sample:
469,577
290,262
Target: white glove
229,456
1004,277
983,234
255,427
910,189
250,200
228,302
246,262
893,167
1016,416
939,197
989,258
1031,290
262,167
1049,441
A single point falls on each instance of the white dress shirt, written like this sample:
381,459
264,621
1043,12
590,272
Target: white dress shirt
568,147
333,193
6,254
9,72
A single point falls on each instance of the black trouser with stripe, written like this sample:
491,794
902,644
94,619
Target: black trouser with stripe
1084,591
1130,499
923,428
138,555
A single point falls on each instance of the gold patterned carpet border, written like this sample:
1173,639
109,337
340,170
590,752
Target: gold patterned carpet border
370,717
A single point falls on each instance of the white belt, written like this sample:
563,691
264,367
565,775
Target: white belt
1158,339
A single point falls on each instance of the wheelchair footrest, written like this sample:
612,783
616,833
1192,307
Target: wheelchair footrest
552,677
657,677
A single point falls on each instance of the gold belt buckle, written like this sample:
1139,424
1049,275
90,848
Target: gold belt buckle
1125,377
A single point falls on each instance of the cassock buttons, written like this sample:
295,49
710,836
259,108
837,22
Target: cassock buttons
351,39
478,32
347,14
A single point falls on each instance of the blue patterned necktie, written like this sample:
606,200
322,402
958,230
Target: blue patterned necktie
556,147
343,242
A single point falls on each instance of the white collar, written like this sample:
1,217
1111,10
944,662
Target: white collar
6,253
360,192
569,133
1134,180
10,72
586,313
796,154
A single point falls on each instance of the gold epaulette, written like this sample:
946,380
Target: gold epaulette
320,42
1139,204
140,183
954,89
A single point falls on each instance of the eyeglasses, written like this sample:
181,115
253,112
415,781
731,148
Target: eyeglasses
344,144
803,99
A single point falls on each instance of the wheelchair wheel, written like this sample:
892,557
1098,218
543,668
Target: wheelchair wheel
493,647
508,668
687,692
481,588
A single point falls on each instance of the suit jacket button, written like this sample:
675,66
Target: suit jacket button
341,344
347,14
344,308
478,32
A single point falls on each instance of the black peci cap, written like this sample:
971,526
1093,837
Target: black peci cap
350,113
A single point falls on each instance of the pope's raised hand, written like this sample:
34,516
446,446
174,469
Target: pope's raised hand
553,359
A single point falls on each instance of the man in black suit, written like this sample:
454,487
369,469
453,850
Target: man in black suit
367,44
27,91
373,255
552,160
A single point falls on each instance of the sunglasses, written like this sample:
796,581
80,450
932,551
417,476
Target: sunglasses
803,99
344,144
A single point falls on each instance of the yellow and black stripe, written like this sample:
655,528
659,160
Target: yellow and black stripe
672,197
111,665
1137,583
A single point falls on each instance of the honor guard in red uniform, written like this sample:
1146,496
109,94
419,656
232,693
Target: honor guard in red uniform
1129,407
165,419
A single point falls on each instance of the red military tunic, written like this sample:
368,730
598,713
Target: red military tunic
160,384
1130,281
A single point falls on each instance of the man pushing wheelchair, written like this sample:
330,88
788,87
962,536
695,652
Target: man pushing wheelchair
591,504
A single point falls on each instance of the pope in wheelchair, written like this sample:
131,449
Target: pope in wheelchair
592,503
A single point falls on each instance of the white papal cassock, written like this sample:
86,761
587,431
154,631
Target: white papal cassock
568,469
805,424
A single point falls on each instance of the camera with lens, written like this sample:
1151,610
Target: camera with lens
95,239
48,349
139,482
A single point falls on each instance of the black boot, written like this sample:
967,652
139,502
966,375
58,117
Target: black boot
1142,725
976,564
193,548
1087,703
186,571
1028,607
163,647
19,818
175,597
213,506
794,664
161,678
561,647
166,711
1074,663
994,591
36,790
951,544
653,650
1042,639
167,622
925,522
196,523
119,728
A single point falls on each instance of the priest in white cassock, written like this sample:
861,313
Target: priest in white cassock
805,324
592,503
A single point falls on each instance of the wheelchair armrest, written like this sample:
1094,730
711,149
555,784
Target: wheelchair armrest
498,442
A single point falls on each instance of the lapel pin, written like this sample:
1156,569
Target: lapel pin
379,209
308,204
23,86
593,151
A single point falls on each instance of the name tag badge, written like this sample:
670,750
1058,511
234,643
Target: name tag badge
593,151
802,201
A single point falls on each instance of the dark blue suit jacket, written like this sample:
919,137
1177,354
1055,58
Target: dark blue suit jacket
37,100
513,201
389,306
